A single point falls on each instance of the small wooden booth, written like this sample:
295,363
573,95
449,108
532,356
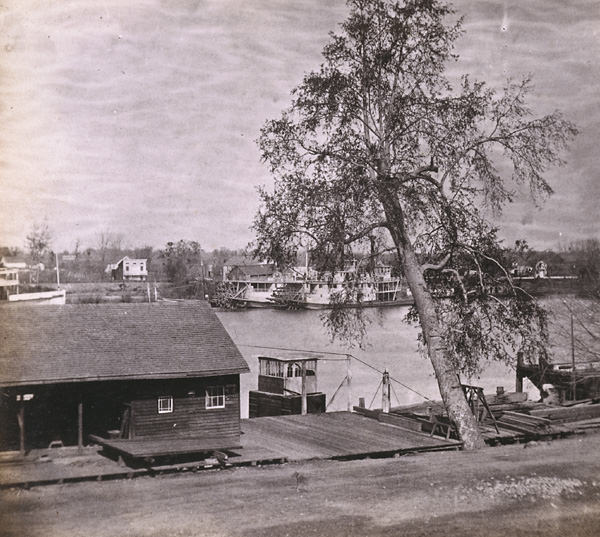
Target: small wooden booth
287,385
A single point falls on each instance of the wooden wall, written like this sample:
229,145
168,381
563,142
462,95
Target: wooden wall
52,413
270,404
270,384
190,417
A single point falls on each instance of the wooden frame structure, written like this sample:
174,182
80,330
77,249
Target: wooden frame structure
282,381
80,371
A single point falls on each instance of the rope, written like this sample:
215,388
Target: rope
392,378
375,394
336,392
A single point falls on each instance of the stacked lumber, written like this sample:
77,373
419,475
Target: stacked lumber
523,423
569,414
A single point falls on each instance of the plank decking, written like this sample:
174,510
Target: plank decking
159,447
334,435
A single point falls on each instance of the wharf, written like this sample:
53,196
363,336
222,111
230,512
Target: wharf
268,440
336,435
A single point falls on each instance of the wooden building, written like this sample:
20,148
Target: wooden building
9,282
135,374
286,385
129,269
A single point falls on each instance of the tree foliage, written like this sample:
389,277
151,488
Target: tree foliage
379,142
38,241
183,260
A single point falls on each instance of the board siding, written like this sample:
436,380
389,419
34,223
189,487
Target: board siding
190,417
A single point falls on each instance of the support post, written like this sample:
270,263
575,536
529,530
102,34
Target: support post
304,404
385,392
80,424
519,379
573,376
57,272
21,421
349,380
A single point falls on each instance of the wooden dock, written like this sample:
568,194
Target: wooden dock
334,435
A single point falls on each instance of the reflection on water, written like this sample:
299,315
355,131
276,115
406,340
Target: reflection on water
391,344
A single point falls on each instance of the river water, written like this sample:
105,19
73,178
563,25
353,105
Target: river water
391,344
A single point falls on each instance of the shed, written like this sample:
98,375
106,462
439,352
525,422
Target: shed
135,374
287,385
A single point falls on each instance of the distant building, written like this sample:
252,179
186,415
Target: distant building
128,269
13,262
239,267
9,282
249,272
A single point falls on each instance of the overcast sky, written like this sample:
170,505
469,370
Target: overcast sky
141,117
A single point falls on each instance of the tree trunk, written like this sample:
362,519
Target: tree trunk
445,373
447,377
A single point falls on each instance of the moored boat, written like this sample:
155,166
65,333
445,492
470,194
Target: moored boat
307,289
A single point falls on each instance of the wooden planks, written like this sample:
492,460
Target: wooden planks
140,448
573,413
333,434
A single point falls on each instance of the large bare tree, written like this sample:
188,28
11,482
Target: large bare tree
378,143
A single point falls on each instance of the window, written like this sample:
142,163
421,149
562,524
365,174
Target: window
215,397
165,404
294,370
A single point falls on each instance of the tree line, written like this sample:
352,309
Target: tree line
180,262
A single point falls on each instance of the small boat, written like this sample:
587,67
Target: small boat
57,296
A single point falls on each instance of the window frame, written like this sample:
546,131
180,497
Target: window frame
214,400
169,407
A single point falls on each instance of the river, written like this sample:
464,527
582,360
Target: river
391,344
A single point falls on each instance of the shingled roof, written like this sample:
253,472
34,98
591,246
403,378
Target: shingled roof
47,344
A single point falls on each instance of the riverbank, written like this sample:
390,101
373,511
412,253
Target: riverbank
548,489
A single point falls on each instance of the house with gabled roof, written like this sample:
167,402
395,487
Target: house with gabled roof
13,262
240,267
144,380
131,269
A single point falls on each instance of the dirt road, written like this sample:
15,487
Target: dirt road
547,489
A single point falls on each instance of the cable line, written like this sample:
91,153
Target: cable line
346,354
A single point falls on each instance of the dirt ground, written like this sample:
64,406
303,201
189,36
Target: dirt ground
543,489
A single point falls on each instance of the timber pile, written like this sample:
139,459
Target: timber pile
569,414
517,419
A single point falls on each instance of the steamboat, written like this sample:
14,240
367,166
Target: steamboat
304,288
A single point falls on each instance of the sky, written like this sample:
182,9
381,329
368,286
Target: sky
141,117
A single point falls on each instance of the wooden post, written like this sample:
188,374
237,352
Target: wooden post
148,289
21,420
573,377
304,405
349,380
57,272
519,379
385,392
80,423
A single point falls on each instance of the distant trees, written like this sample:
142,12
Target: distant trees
38,242
182,261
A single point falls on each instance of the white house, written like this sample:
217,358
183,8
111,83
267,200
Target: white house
130,269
